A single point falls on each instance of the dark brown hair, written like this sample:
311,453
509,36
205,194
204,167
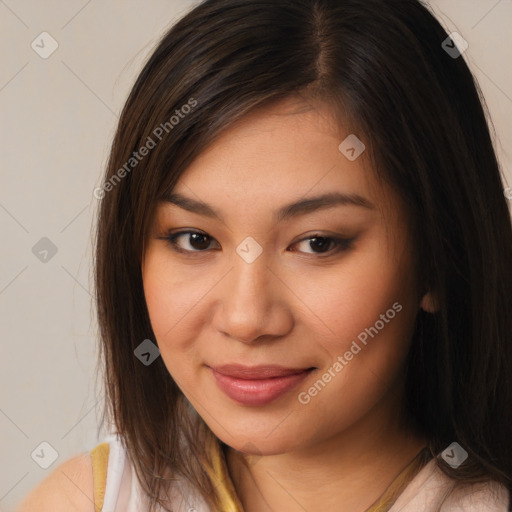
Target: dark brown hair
421,116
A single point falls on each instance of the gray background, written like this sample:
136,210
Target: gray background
58,116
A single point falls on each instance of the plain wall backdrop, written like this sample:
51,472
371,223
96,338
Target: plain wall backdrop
58,116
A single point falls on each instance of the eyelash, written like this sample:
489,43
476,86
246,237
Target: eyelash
341,244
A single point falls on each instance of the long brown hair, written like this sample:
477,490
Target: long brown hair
381,64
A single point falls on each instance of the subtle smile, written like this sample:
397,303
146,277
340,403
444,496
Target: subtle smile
257,385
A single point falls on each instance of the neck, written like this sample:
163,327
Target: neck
346,472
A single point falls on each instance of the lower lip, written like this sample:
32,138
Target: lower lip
258,392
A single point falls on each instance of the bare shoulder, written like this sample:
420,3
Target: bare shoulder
69,488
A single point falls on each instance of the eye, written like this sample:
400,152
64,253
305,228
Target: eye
196,239
200,242
326,244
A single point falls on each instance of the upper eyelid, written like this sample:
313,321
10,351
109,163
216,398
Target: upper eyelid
171,237
199,232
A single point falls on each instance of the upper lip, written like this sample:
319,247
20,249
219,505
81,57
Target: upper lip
239,371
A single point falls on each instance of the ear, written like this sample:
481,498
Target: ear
429,303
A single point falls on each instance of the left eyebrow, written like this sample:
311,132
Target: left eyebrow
288,211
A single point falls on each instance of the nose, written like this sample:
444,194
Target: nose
253,305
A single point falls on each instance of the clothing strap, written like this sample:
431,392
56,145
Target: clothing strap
219,474
99,456
231,502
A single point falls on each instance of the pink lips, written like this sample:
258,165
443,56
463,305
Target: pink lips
257,385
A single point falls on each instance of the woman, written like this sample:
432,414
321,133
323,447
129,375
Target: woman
303,270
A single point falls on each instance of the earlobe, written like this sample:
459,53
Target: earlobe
429,303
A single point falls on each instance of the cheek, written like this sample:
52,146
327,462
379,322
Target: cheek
170,302
364,357
374,314
353,297
170,294
159,301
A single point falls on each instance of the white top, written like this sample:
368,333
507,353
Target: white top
429,491
124,494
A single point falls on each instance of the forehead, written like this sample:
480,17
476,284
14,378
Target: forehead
276,155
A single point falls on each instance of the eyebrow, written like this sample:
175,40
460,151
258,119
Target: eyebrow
288,211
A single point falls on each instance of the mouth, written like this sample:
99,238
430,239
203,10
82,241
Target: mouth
257,385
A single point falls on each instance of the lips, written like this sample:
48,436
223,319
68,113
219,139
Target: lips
257,385
256,372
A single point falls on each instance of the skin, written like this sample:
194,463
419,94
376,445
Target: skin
295,306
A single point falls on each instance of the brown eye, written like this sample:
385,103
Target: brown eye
326,244
200,242
197,241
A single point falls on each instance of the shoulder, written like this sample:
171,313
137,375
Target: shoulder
433,490
481,497
69,487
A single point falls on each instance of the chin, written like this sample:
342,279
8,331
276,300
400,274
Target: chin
262,444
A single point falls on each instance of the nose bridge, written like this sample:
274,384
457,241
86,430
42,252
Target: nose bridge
251,302
251,281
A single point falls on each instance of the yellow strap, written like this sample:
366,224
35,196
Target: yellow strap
225,487
231,502
99,456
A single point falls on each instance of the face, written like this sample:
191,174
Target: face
283,326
